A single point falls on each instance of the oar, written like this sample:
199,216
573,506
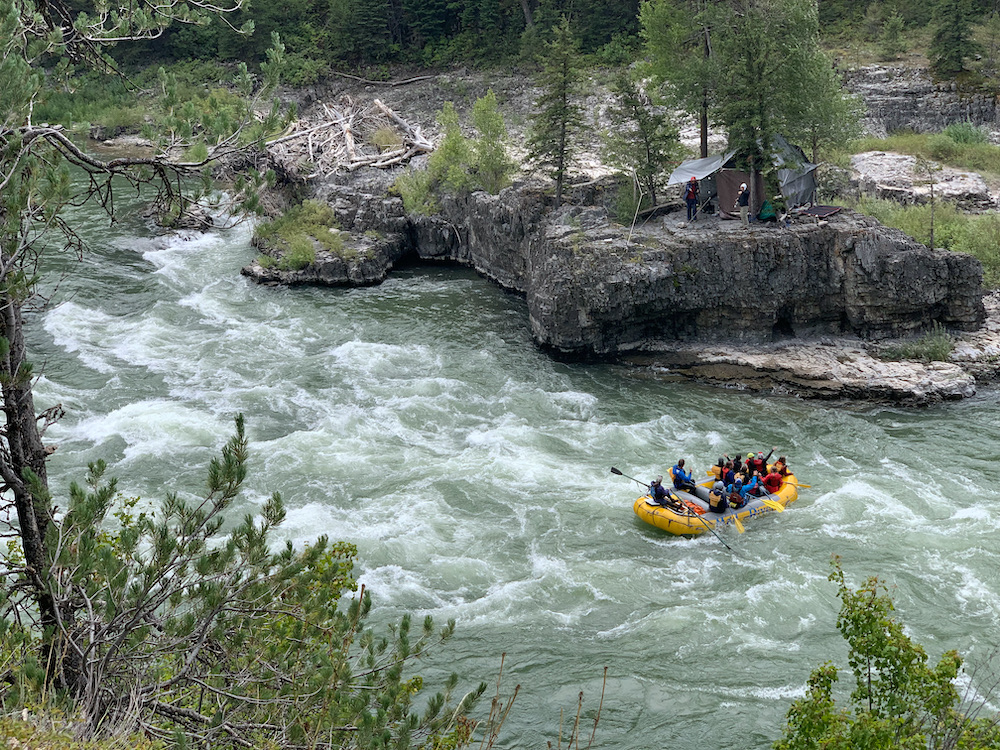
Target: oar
616,471
739,524
705,524
772,504
796,484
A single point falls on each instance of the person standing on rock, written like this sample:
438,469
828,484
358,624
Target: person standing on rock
743,202
691,197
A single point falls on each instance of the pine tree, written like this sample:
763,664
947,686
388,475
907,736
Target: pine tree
678,37
643,141
952,42
558,114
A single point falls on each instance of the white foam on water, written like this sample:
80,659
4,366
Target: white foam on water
154,428
63,323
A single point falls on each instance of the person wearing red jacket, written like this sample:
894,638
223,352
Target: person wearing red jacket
773,481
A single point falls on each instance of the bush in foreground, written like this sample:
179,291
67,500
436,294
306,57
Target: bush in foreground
171,630
899,700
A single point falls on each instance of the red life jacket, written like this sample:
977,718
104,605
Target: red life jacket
772,482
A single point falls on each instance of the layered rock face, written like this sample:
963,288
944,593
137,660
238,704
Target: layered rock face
898,97
594,293
898,177
595,289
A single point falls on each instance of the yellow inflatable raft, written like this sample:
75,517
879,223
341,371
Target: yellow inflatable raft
687,514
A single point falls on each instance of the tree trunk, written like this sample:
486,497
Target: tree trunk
704,125
22,452
529,21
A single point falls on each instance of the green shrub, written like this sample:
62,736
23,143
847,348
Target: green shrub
943,148
977,235
266,261
627,201
966,133
980,237
301,253
297,230
934,346
976,155
415,188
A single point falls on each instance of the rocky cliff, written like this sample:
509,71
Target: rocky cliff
900,97
595,289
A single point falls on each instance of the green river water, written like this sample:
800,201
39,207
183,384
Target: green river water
417,420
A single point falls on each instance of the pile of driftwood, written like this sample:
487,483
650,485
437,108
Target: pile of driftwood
348,136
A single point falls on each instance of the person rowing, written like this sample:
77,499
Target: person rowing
657,491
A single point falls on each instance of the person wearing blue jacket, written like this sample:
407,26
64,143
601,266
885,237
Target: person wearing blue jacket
682,479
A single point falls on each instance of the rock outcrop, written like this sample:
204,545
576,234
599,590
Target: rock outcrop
900,97
897,177
595,289
826,369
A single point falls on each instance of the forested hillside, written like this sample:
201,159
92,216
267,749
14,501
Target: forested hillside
323,35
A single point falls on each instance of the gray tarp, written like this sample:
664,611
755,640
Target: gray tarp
698,168
796,176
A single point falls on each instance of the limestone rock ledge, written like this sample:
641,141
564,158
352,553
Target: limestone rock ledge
832,369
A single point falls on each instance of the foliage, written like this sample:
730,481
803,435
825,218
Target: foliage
219,637
979,157
449,164
294,233
558,115
952,43
300,253
642,141
898,701
744,66
966,133
416,188
977,235
678,39
493,165
830,116
933,346
27,734
891,42
767,56
460,164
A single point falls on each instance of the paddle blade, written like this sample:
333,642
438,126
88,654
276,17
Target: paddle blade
739,524
615,471
773,505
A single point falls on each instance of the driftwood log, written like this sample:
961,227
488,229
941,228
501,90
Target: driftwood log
347,135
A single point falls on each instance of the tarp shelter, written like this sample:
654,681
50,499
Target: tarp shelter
796,177
727,183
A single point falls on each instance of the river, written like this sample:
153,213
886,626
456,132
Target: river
417,420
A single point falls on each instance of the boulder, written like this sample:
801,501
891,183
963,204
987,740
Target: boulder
897,177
